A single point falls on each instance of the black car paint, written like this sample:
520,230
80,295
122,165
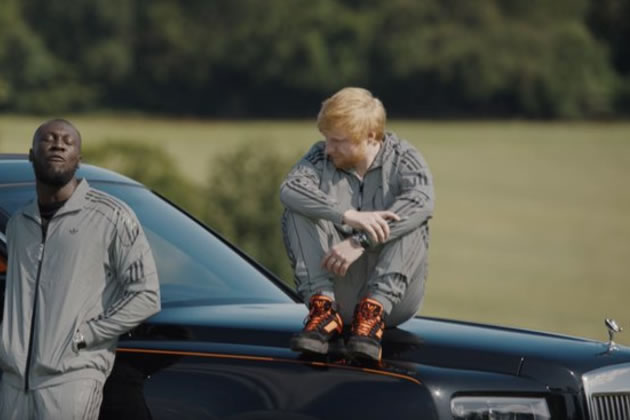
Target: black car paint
212,360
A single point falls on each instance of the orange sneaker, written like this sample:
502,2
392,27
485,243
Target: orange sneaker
321,325
367,330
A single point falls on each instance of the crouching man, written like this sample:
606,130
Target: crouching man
356,227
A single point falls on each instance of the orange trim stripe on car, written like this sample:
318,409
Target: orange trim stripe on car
266,359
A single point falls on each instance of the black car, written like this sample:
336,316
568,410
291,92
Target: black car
219,347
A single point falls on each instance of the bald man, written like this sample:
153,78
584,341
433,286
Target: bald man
80,273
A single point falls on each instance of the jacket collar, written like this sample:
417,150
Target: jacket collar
74,203
383,152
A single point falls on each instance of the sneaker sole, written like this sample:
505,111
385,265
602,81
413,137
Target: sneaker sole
337,347
309,345
363,351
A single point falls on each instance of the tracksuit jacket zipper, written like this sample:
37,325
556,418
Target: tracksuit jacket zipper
30,339
360,196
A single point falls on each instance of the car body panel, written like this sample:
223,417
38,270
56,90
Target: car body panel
420,340
233,386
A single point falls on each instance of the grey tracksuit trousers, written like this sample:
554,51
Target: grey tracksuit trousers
316,194
92,274
75,400
400,294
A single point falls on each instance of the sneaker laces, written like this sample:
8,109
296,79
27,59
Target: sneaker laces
319,310
368,315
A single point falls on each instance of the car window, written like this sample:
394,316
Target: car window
194,265
12,198
3,265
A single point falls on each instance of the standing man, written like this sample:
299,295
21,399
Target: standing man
356,227
80,273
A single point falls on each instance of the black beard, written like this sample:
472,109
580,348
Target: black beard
46,174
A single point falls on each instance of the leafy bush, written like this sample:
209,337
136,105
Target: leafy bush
149,165
242,203
240,199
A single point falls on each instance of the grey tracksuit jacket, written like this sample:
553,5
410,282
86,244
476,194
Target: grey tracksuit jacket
398,180
93,273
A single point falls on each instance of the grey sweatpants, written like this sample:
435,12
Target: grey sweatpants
393,273
76,400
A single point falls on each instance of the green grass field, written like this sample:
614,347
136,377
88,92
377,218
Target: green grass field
531,227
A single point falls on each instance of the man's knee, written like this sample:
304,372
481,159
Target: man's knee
293,223
406,255
302,234
410,243
401,294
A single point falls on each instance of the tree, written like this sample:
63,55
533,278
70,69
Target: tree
162,175
491,57
68,55
244,58
609,21
243,204
27,69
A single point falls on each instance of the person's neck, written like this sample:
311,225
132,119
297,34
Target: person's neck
48,194
371,150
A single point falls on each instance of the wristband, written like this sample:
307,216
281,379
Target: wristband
78,341
362,239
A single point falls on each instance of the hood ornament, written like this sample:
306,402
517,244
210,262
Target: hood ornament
613,328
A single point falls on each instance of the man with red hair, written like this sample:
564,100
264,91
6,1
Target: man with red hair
356,227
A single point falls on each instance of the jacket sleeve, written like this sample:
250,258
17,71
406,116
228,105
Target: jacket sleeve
300,190
8,233
137,278
9,239
415,200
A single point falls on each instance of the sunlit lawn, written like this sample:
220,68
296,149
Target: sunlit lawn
532,223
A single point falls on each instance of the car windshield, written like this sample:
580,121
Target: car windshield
194,266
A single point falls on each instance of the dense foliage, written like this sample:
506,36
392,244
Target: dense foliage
243,58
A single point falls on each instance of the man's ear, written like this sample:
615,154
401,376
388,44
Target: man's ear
30,155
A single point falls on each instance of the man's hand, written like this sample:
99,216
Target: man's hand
341,257
374,223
